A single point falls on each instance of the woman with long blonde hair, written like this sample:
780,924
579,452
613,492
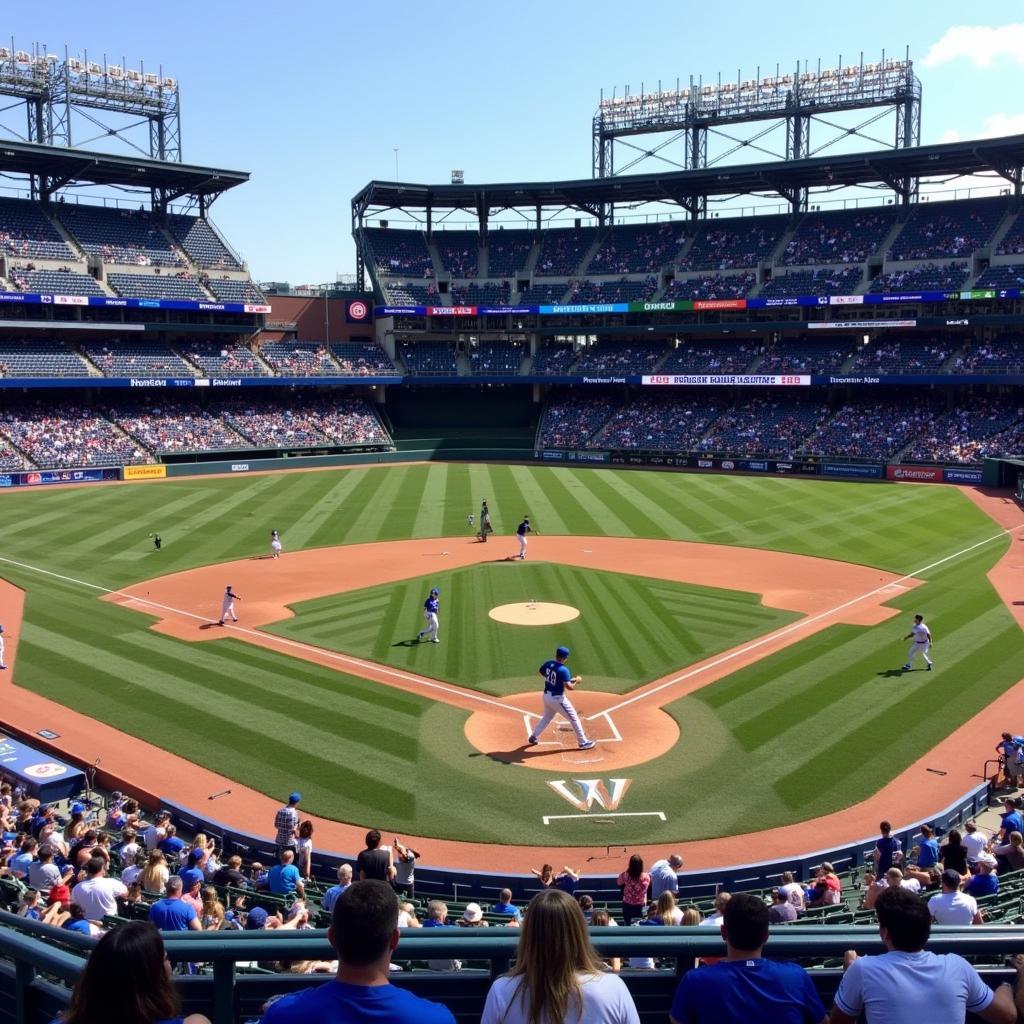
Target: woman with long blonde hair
558,977
155,874
668,911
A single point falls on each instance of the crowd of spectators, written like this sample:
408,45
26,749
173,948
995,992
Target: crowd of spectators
223,359
562,250
1012,243
305,423
942,230
624,290
825,281
490,293
764,425
129,357
406,293
638,248
178,427
400,253
361,357
553,357
903,355
300,358
181,284
621,356
62,281
711,286
571,419
730,244
1001,355
876,429
838,236
27,233
661,423
719,357
964,434
117,235
508,251
1001,275
804,356
924,278
459,252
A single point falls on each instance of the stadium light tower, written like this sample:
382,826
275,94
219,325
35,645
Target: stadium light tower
689,114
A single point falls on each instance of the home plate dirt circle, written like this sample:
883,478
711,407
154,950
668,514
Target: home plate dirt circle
534,613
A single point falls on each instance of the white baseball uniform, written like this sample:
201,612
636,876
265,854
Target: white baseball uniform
521,531
3,664
921,644
275,544
227,606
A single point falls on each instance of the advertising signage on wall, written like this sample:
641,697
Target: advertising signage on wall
106,302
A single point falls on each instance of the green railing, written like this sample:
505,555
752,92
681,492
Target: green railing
35,973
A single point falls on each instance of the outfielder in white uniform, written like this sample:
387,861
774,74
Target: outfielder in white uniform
227,605
556,681
275,543
430,608
521,531
922,643
3,663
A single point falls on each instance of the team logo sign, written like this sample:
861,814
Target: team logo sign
592,791
358,311
45,770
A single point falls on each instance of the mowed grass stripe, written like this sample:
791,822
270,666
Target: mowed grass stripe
540,501
652,518
432,502
603,502
321,506
366,506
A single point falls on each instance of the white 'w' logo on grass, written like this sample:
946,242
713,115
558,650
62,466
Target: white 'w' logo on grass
592,791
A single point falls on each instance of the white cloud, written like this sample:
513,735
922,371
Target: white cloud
1002,124
983,45
950,135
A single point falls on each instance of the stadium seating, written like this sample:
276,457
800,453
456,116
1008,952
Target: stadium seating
638,248
399,253
39,357
489,294
826,281
712,286
1003,275
299,358
223,359
805,356
493,357
119,235
11,459
306,423
773,425
459,252
903,355
181,427
54,282
180,285
620,356
570,420
941,230
130,357
361,357
1012,243
508,251
661,423
562,250
960,435
26,232
539,294
553,358
712,357
426,358
1002,355
233,290
871,429
729,244
923,278
201,242
408,294
74,435
624,290
839,236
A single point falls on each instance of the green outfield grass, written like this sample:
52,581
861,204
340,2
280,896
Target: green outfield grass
811,729
630,629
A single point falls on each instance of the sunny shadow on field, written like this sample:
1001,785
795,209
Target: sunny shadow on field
630,629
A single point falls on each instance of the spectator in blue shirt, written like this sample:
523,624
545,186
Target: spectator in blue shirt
172,913
1011,821
927,849
985,882
344,881
127,977
504,906
76,921
171,845
888,851
284,879
364,932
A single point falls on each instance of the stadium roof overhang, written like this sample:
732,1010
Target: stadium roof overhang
893,167
57,166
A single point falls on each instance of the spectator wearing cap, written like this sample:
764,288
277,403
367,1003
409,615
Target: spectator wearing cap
77,826
472,917
191,894
172,913
344,881
284,879
781,911
152,835
364,932
192,872
665,875
985,881
286,825
97,895
951,906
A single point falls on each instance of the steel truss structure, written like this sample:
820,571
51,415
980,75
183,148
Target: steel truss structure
688,115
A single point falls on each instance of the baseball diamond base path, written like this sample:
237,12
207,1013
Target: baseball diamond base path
826,592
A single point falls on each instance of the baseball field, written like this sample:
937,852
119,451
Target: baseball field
739,639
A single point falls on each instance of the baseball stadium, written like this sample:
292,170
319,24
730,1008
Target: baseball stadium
667,516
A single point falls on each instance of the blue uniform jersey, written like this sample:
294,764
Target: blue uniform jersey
431,604
523,528
556,675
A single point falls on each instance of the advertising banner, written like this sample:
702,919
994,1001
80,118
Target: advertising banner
728,380
44,776
106,302
868,472
961,476
145,472
919,474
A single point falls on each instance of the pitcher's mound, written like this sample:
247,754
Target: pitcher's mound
534,613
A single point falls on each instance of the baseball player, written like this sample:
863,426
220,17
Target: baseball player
556,681
521,531
485,521
3,664
275,543
227,605
922,643
158,541
430,607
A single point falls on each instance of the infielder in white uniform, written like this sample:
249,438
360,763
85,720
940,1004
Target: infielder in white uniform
922,637
275,543
556,681
227,605
3,663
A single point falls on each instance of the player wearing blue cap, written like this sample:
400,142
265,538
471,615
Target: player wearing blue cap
430,607
556,681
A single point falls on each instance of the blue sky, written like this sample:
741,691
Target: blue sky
313,99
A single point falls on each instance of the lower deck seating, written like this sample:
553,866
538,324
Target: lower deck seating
38,357
130,358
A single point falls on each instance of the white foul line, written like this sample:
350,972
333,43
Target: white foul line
795,626
421,681
548,818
